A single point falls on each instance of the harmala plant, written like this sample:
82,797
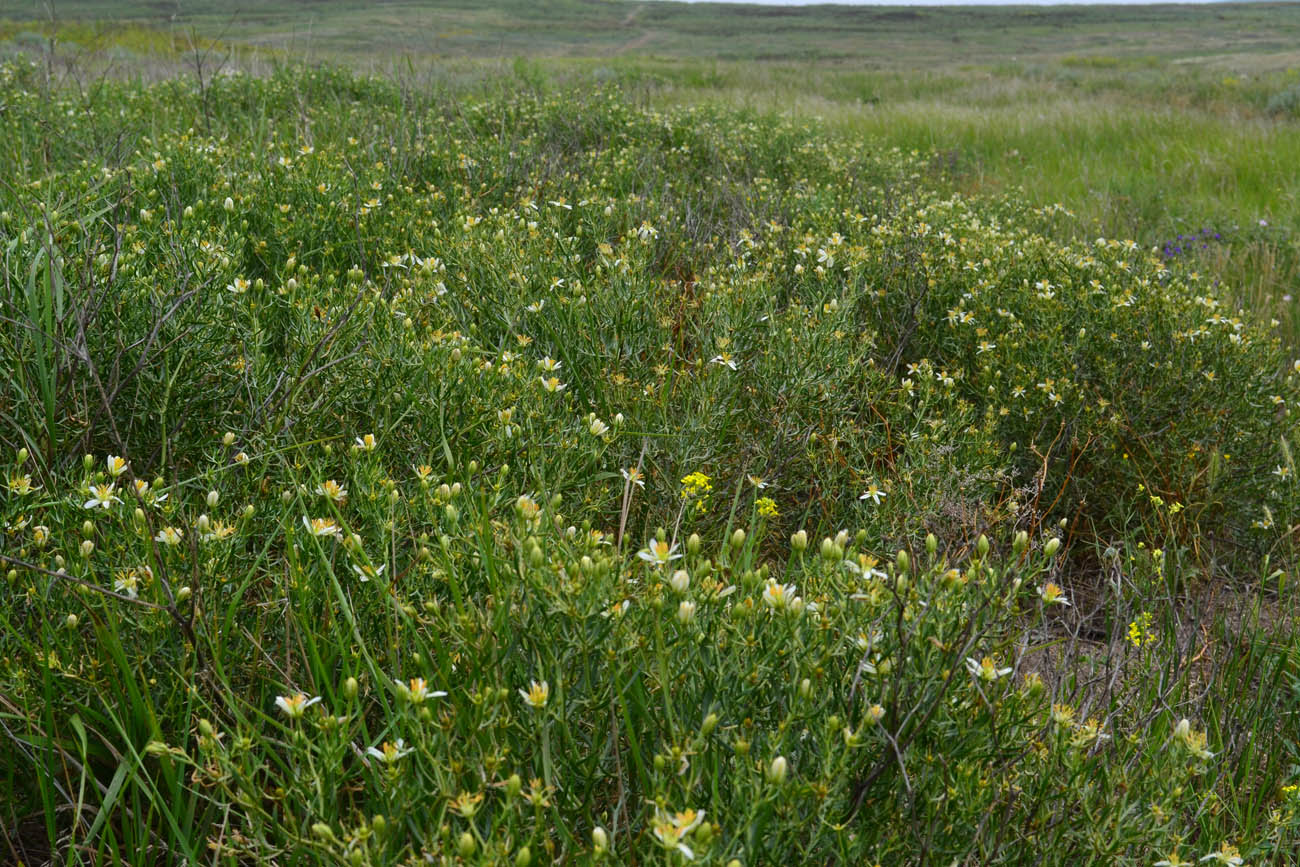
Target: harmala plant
406,476
372,670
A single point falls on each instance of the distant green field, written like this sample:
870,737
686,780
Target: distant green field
870,35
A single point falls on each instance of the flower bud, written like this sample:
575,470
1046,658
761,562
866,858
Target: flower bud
466,845
87,548
524,858
213,499
680,581
693,543
686,611
229,205
71,621
737,538
902,561
931,544
1053,545
777,770
184,593
378,823
799,541
350,688
228,439
22,456
710,723
982,545
513,785
88,462
1020,543
828,549
599,840
805,688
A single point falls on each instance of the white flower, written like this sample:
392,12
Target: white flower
724,359
321,527
365,443
597,427
387,752
1226,855
537,694
294,706
659,553
169,536
778,596
873,493
417,690
986,669
366,573
1051,594
671,829
116,465
633,476
102,497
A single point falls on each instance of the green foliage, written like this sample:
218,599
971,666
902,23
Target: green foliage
519,399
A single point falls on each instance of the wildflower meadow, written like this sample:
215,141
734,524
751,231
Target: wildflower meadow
505,475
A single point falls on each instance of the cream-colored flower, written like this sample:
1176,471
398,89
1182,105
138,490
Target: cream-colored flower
169,536
417,690
986,669
659,553
873,493
332,491
294,706
1051,594
537,694
102,497
779,596
389,752
671,830
321,527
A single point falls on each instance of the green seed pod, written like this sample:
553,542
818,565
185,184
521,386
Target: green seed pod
524,858
466,844
982,545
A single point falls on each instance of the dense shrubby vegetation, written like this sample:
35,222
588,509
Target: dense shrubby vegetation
404,476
